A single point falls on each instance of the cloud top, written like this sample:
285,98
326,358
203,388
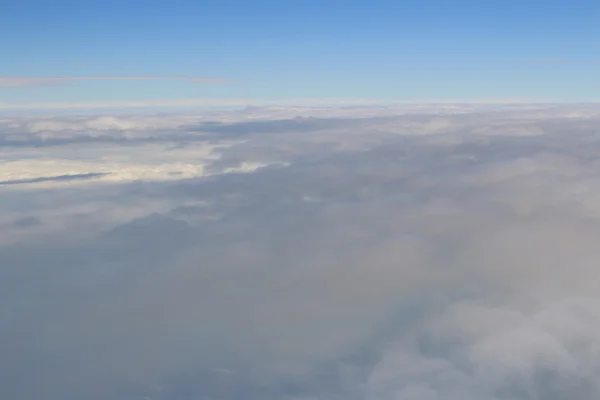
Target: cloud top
291,253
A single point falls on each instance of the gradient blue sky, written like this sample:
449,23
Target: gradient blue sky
377,49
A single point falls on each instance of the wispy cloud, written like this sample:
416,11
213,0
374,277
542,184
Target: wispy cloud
33,81
241,102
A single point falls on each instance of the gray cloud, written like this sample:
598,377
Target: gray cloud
71,177
417,256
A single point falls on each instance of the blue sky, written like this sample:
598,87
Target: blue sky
377,49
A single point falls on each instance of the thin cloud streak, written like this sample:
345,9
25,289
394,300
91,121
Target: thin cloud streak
69,177
213,102
34,81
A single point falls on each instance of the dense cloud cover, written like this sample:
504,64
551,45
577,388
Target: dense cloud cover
304,253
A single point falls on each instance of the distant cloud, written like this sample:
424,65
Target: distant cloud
241,102
33,81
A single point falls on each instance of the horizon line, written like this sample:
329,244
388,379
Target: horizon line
210,102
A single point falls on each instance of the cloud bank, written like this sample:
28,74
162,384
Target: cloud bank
375,254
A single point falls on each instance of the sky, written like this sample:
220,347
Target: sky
281,50
299,200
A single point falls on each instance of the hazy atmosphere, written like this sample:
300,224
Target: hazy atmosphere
299,200
302,253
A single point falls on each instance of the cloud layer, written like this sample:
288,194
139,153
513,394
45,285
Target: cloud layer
377,253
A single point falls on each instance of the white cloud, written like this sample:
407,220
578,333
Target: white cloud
145,162
397,255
